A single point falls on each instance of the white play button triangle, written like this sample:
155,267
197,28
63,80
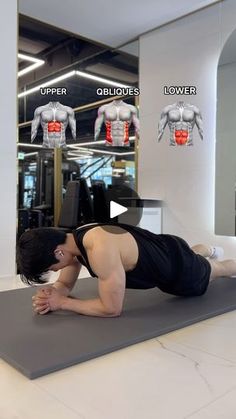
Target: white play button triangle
116,209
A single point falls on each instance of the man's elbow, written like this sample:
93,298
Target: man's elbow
113,312
116,313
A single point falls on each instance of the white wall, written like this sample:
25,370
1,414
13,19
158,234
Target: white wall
225,150
184,52
8,124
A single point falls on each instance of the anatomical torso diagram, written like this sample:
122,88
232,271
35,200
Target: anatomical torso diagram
117,116
181,118
53,118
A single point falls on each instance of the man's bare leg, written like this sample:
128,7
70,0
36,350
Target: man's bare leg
203,250
223,268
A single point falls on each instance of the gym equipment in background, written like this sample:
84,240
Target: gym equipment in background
77,206
100,202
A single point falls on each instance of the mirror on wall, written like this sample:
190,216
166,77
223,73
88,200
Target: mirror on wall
225,173
84,75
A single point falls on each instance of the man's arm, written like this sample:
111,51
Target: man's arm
67,278
63,285
106,263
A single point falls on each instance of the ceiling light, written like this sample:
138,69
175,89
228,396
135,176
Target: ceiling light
71,74
36,63
79,157
82,150
29,145
79,152
92,143
112,153
100,79
47,83
87,143
34,153
74,147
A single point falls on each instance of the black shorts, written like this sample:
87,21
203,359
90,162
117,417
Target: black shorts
190,273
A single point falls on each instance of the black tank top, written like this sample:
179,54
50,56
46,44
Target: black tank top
154,267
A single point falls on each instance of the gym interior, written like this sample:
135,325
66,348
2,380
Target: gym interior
75,60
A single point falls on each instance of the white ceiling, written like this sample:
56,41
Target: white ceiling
110,22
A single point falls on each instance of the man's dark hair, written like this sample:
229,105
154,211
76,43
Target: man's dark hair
35,253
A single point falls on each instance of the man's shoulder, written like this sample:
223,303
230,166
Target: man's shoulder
94,236
102,236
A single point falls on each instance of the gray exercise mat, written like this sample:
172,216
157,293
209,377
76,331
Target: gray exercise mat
37,345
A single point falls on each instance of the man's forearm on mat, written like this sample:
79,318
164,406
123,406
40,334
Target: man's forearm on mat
93,307
62,288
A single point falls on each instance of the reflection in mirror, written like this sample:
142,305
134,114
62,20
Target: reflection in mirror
51,58
225,177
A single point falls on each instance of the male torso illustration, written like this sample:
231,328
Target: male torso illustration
181,118
117,117
54,118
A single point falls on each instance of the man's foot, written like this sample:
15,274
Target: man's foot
217,252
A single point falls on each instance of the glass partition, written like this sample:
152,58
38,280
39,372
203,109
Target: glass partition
64,84
225,180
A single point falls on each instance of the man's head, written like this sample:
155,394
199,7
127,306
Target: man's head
40,250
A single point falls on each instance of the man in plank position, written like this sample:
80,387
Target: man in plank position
121,256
